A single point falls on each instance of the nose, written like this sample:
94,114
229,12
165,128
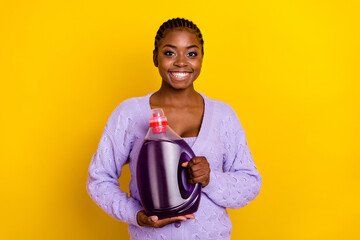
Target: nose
180,61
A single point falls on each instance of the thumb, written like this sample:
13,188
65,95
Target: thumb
153,218
184,164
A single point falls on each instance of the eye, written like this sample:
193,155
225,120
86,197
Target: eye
192,54
169,53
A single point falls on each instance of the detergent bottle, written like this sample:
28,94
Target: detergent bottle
162,181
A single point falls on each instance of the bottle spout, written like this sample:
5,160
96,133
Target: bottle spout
158,121
157,112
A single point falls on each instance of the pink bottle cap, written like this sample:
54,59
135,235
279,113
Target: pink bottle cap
158,121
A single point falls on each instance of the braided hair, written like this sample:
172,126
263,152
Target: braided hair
178,23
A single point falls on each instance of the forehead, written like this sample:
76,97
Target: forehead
180,37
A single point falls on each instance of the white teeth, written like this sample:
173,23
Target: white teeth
180,74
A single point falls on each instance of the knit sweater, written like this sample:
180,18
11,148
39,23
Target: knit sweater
234,179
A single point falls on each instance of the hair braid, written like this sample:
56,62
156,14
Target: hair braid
178,23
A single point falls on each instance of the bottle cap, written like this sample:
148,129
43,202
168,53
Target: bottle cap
158,121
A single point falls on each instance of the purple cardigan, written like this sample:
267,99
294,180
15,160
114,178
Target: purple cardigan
234,179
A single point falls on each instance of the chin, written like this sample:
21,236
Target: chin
181,86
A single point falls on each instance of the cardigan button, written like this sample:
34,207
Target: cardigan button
177,224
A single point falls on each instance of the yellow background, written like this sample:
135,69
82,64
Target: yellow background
290,69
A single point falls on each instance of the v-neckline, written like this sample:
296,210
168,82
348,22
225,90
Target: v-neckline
204,128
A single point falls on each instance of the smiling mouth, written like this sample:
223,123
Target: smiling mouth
180,75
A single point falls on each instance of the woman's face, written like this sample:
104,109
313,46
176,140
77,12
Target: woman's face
179,58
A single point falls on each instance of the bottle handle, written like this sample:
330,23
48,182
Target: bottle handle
186,189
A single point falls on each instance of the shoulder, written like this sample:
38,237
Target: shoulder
129,110
132,105
219,108
222,113
127,106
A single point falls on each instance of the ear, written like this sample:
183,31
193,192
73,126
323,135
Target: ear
155,58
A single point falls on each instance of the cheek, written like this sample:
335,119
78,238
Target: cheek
164,63
198,65
163,68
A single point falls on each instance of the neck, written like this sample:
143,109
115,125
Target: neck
177,97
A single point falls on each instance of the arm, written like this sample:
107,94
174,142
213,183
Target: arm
102,184
105,169
239,183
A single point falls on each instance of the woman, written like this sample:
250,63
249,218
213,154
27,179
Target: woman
223,166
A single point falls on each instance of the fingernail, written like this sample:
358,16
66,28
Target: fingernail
154,218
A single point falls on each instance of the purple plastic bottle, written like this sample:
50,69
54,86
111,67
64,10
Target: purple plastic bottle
162,181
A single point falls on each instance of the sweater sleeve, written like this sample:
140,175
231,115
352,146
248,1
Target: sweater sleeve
104,171
239,182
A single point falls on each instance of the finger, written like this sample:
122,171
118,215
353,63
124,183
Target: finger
203,180
153,218
142,219
172,219
163,222
199,167
150,221
184,164
178,218
197,172
190,216
198,179
194,161
197,160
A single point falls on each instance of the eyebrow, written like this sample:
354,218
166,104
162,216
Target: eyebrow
172,46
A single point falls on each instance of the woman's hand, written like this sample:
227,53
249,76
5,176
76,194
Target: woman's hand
198,170
153,221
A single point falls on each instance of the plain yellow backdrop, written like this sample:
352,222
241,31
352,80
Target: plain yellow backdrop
290,69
